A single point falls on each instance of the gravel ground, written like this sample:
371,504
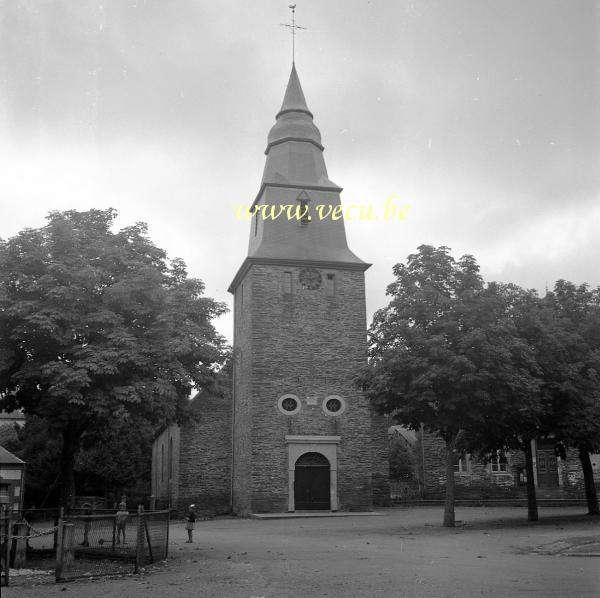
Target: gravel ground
404,552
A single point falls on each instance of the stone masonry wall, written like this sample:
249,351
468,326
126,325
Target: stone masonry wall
479,482
311,345
381,460
165,467
205,457
242,417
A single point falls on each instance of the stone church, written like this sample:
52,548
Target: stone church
295,433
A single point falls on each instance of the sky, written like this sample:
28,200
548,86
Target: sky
480,115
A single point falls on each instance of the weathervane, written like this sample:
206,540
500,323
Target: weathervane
293,28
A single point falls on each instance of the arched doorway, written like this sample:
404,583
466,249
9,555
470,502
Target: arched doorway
311,483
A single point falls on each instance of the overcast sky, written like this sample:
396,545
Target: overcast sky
482,115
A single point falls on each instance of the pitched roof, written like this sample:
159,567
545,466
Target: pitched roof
410,436
7,458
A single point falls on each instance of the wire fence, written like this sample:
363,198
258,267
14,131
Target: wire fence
84,545
156,535
4,547
93,545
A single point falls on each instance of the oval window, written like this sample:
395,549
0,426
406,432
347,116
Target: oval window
334,405
288,404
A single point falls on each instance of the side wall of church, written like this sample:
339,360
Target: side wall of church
309,344
165,467
381,460
205,457
242,389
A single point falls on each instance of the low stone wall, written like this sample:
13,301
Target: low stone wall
477,481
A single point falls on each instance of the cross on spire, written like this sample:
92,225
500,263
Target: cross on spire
292,26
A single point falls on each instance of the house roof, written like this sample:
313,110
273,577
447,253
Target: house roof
11,416
409,436
7,458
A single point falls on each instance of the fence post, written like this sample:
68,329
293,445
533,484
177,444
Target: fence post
115,533
168,524
59,544
68,552
148,540
57,517
139,540
5,558
20,545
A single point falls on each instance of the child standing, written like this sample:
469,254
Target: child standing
122,516
189,525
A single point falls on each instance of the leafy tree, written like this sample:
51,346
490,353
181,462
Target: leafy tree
403,464
116,459
443,353
572,372
41,451
95,324
519,424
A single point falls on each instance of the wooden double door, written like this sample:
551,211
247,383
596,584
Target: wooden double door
311,483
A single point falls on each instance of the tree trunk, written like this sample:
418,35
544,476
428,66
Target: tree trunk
449,503
532,510
588,478
67,467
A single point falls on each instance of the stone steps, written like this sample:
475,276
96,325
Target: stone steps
494,502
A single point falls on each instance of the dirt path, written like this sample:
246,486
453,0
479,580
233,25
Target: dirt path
402,553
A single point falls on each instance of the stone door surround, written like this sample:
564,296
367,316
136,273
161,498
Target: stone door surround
326,446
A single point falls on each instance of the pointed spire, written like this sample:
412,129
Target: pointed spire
293,127
294,172
294,99
294,122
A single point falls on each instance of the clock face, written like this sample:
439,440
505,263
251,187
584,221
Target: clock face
310,278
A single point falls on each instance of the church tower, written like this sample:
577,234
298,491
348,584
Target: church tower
303,436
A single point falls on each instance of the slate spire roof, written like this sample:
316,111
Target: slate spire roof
294,151
294,96
295,172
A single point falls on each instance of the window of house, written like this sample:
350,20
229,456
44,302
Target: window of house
463,465
498,463
287,283
330,285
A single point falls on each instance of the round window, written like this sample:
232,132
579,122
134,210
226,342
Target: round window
334,405
288,404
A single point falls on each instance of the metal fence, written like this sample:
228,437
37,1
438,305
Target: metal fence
83,545
5,524
93,545
405,489
155,537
